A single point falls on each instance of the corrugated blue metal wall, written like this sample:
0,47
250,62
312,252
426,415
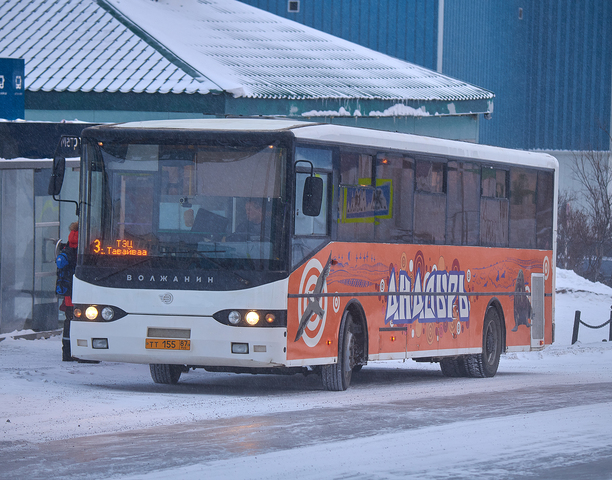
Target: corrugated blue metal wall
549,62
550,71
486,43
404,29
571,70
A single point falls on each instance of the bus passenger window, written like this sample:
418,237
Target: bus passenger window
494,207
462,223
394,197
430,203
545,200
522,208
355,215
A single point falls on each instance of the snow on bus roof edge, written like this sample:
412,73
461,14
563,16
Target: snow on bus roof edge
342,134
387,140
220,124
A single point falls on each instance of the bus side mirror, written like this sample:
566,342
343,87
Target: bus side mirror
313,196
57,175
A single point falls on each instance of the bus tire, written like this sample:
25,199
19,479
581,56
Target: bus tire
165,373
337,376
485,364
453,367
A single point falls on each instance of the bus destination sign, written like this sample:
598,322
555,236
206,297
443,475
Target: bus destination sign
118,248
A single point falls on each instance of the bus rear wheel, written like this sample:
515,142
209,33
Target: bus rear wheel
165,373
453,367
485,364
337,376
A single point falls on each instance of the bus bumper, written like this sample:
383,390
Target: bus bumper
145,339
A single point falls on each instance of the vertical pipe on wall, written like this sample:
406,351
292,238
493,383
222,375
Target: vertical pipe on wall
440,35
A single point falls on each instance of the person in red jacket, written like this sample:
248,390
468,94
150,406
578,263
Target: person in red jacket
69,259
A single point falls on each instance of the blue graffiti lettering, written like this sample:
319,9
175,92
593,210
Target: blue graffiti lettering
443,297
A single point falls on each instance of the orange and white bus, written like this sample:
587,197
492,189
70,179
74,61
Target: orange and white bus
278,246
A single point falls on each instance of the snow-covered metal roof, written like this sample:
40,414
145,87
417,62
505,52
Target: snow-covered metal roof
195,46
253,53
75,45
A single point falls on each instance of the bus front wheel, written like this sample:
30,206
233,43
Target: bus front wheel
337,376
164,373
485,364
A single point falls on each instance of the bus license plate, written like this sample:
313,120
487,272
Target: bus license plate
165,344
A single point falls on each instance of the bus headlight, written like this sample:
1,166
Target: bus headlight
234,317
252,318
108,314
91,313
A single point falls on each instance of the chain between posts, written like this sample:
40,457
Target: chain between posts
577,323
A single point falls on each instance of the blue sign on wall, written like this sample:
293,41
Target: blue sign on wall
12,87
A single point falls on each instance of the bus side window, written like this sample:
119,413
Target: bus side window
355,215
463,215
544,213
523,208
430,202
494,207
394,198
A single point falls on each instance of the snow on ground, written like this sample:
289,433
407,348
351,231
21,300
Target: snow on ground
42,398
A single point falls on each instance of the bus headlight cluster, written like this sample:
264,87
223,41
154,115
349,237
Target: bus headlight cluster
252,318
98,313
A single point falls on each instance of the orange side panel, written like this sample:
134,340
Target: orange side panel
374,276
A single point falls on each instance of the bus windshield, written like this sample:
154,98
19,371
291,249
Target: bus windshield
184,206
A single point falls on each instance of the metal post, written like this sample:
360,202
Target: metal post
576,325
610,324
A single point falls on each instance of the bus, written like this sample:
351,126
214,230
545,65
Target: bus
255,245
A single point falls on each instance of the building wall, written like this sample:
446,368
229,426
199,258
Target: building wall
487,44
571,74
548,62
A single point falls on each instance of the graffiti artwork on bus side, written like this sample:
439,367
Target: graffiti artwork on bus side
436,296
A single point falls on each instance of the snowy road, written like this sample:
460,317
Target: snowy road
544,415
533,420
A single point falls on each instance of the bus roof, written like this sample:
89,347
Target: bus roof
355,136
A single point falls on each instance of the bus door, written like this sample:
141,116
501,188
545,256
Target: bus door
310,232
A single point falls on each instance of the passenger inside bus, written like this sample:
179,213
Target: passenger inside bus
251,228
212,225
